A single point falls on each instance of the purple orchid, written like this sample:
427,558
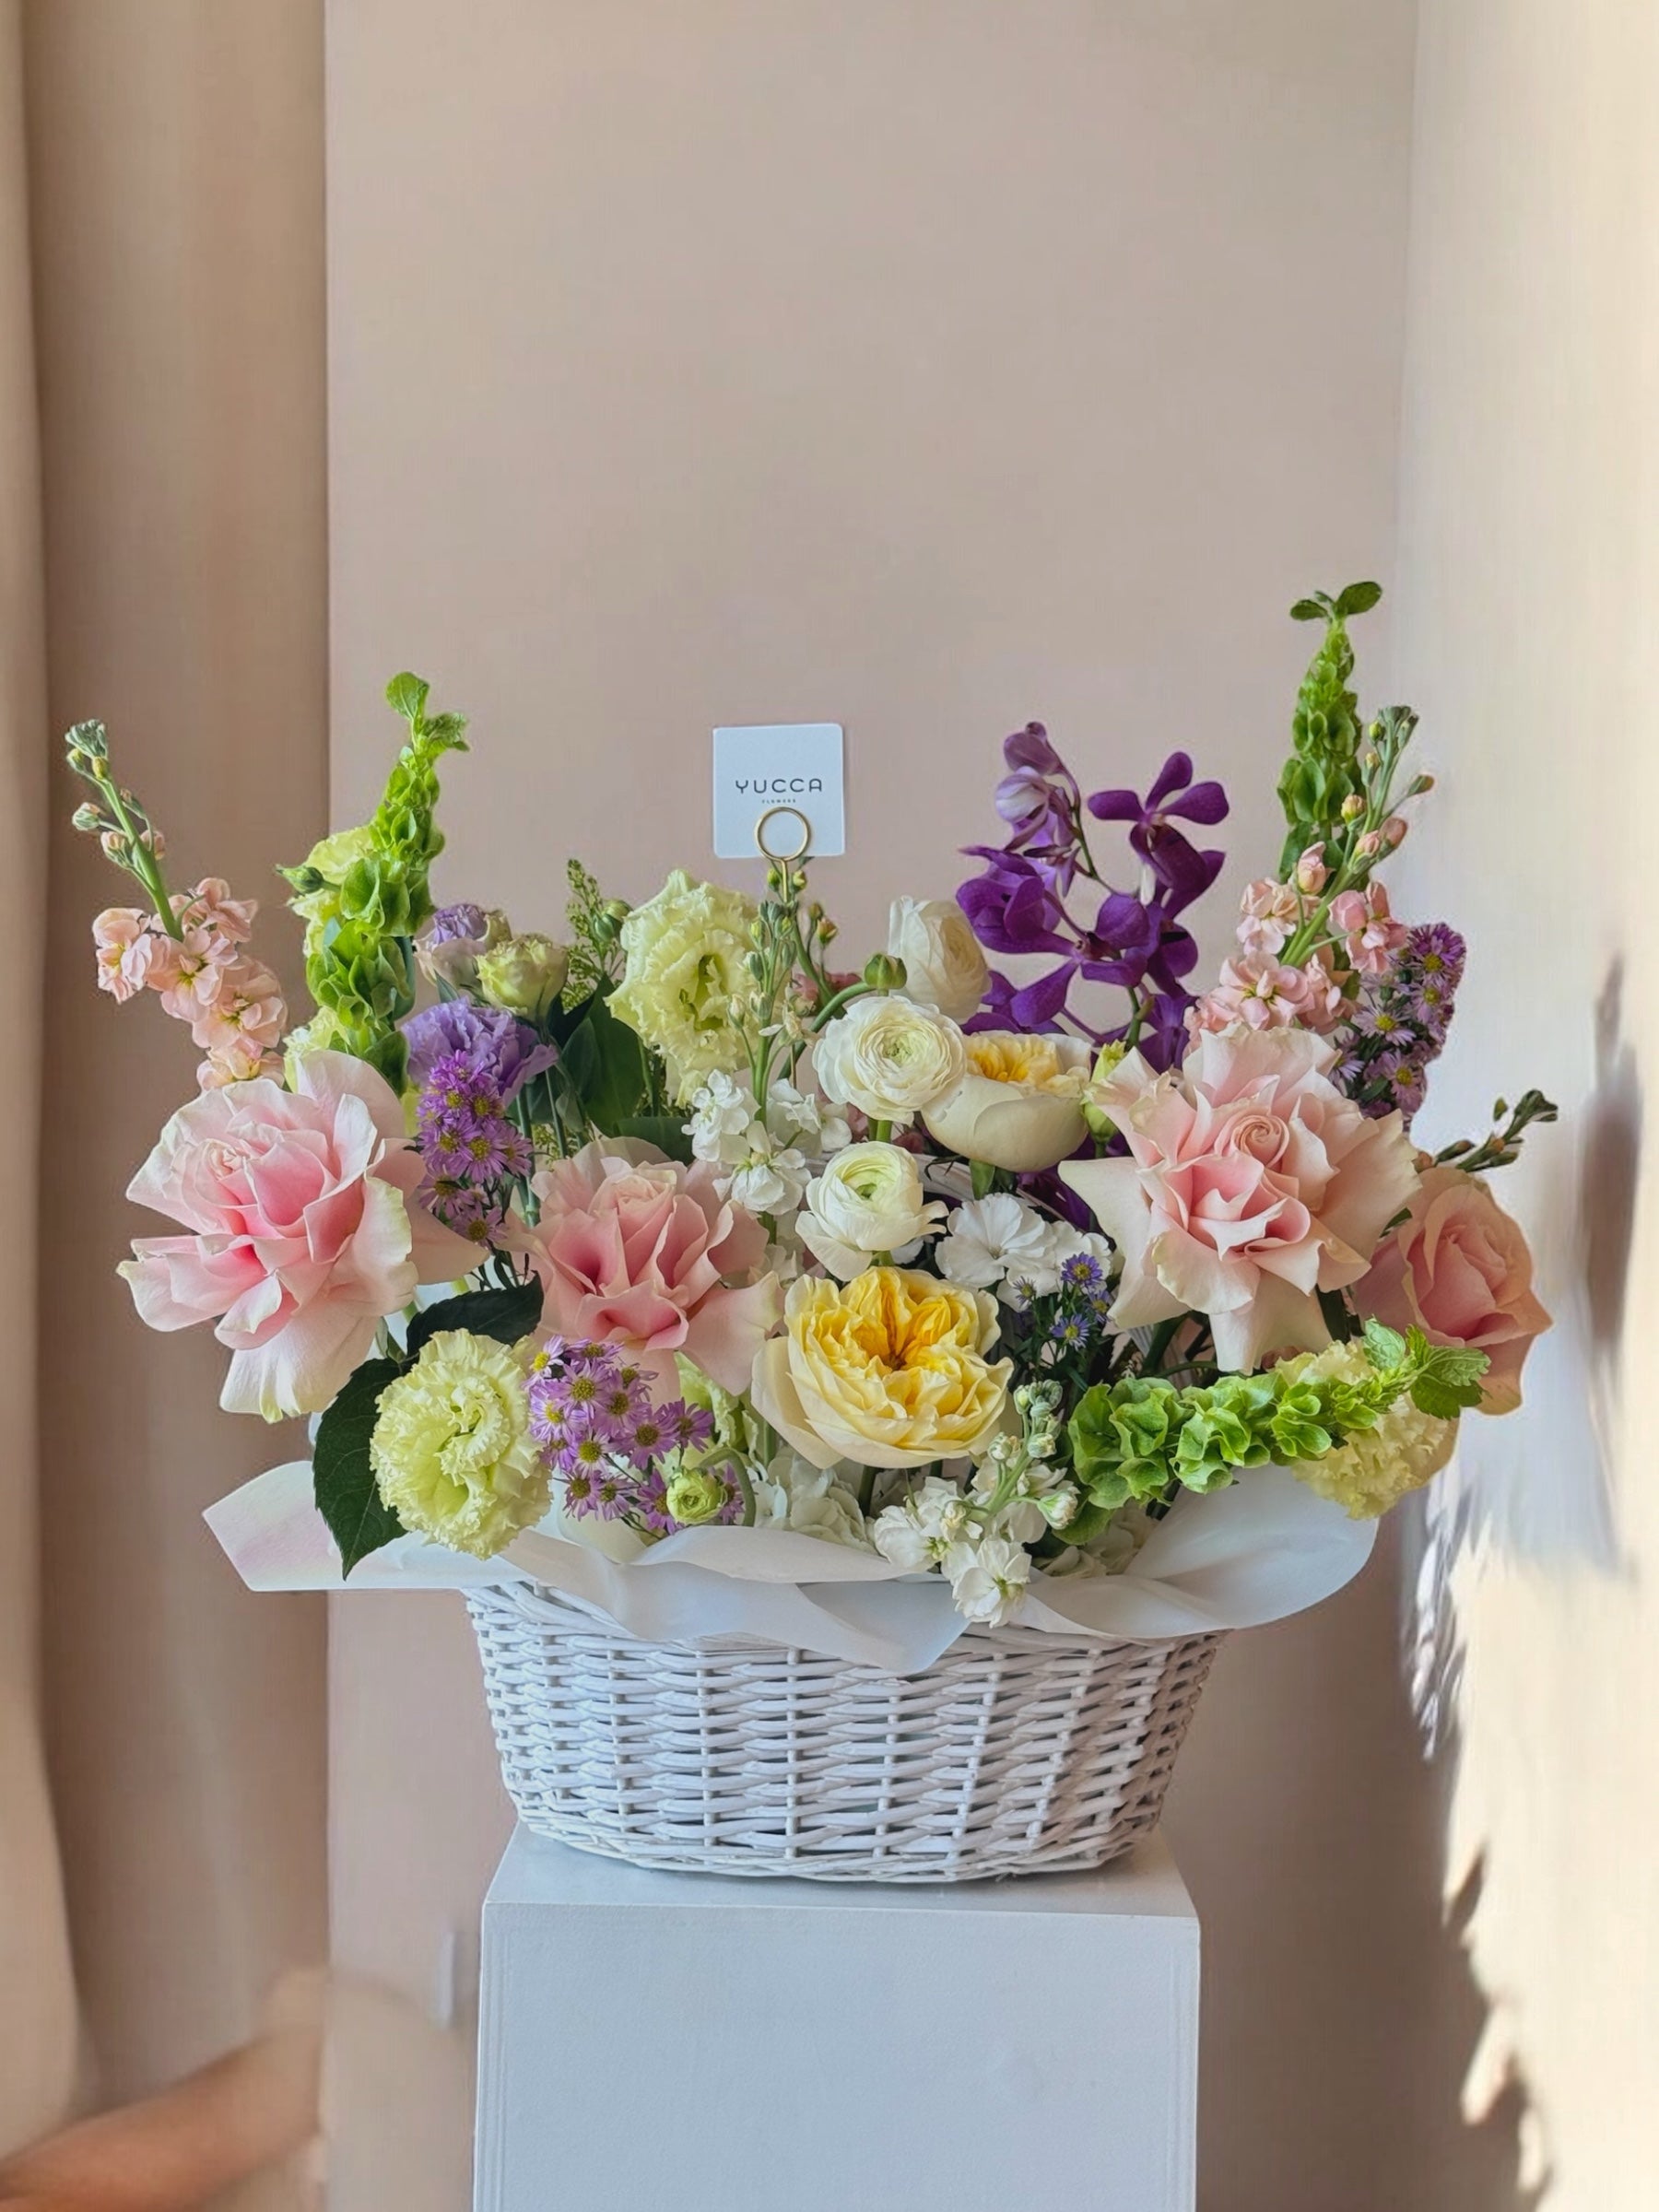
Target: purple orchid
1017,905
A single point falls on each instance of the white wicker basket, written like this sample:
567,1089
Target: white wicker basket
1014,1753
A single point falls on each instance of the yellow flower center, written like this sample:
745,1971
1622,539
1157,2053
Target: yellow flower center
1032,1062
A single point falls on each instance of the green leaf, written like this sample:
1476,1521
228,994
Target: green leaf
343,1480
1339,1316
665,1130
1358,598
406,695
504,1314
1444,1400
1311,610
604,1063
1383,1347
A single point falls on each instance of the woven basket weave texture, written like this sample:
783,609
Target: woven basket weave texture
1015,1752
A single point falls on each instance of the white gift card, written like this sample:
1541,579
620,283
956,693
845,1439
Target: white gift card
791,770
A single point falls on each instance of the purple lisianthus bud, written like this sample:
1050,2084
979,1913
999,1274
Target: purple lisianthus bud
462,920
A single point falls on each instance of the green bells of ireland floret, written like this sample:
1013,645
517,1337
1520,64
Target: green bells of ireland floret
364,892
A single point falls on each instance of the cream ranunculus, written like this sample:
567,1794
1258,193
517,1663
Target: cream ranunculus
685,953
890,1370
944,967
1018,1104
889,1057
868,1199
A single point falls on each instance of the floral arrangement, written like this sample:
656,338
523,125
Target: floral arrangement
674,1221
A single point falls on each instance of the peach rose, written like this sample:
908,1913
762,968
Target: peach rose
304,1231
634,1249
1253,1184
1460,1270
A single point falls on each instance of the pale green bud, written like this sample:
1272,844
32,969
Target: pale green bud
525,974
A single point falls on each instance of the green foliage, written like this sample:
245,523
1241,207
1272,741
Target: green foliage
1502,1145
1141,1437
605,1067
364,892
594,925
1325,729
505,1314
343,1479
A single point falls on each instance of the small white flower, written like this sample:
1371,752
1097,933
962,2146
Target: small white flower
994,1239
1064,1243
771,1183
803,1118
722,1127
988,1578
916,1534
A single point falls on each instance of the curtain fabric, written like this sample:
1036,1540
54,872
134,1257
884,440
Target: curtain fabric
162,567
37,2005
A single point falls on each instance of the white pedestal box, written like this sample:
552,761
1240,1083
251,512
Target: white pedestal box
684,2043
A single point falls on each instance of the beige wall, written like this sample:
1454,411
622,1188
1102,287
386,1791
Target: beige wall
1530,566
924,367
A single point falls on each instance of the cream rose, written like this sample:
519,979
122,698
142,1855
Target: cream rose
889,1057
868,1199
944,967
889,1371
1018,1104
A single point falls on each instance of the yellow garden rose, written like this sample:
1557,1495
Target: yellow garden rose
888,1370
686,952
1018,1105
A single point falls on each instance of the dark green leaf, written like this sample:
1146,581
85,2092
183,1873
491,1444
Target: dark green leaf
1358,598
1309,610
1339,1316
343,1481
604,1063
504,1314
665,1130
406,695
1444,1400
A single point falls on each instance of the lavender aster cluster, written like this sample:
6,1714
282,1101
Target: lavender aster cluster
593,1416
1134,940
1399,1028
1082,1306
468,1145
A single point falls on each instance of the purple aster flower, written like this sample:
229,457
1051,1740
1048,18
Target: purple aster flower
497,1044
1435,948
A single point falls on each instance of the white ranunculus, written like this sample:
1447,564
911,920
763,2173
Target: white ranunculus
1018,1101
868,1199
889,1057
814,1501
944,967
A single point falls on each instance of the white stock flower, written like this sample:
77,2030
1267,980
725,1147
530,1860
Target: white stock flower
722,1127
771,1183
987,1577
944,967
889,1057
915,1534
814,1501
803,1118
994,1239
868,1199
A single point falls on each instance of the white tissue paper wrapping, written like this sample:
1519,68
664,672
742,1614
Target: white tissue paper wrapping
1258,1551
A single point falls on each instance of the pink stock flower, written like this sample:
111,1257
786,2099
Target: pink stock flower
1311,870
210,907
1460,1269
1263,993
133,952
302,1229
1252,1185
241,1028
1373,934
1269,916
634,1249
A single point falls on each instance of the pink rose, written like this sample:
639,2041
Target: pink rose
1460,1269
1253,1184
634,1249
303,1229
